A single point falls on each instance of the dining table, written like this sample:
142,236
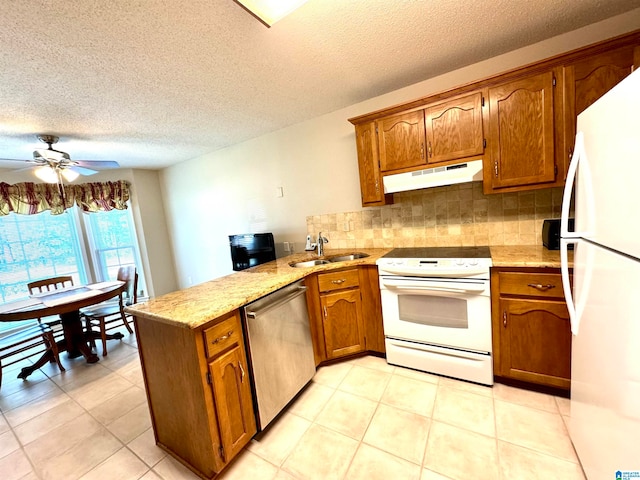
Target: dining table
65,303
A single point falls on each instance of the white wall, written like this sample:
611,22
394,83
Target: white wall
233,190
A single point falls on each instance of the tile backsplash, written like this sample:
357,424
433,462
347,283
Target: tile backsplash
456,215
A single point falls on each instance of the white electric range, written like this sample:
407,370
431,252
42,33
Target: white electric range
436,310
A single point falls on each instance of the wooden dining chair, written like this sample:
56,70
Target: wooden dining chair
109,315
48,285
47,330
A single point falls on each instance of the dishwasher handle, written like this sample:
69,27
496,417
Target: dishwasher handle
276,303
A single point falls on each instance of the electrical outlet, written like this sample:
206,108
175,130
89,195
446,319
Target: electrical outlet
287,247
279,192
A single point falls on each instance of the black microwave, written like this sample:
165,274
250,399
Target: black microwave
251,249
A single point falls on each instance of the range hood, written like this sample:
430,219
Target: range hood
434,177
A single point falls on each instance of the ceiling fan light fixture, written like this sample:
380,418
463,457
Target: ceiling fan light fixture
270,11
69,175
47,174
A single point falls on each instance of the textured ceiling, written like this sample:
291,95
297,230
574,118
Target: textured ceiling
150,83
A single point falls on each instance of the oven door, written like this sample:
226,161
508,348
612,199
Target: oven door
438,311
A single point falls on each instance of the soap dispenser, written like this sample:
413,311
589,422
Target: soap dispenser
309,246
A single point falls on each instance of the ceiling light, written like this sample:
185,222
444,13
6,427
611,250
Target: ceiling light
46,174
69,175
270,11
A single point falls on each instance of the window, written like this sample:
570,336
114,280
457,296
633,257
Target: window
38,246
44,245
113,242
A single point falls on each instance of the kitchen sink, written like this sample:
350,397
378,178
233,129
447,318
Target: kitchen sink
346,258
335,259
309,263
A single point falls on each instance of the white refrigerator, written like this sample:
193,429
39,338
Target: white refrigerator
604,303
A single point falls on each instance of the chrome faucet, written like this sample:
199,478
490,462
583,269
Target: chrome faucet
321,241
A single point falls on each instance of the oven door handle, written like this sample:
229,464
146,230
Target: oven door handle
423,287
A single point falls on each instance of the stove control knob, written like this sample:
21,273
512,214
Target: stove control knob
473,261
459,261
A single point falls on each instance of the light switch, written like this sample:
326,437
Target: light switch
279,192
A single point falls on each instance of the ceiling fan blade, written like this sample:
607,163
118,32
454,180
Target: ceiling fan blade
27,160
25,169
82,170
99,164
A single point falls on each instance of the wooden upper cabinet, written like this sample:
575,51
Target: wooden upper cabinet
401,141
454,129
521,133
371,187
590,78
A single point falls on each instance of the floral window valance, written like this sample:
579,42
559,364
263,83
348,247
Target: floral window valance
30,198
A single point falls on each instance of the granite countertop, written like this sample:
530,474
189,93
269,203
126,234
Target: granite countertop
197,305
194,306
526,256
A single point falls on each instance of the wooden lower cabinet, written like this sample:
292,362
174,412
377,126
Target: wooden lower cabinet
232,393
198,389
345,312
531,329
342,323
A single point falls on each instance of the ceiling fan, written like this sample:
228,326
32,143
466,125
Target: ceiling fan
51,165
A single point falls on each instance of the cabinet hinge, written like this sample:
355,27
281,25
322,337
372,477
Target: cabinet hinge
554,81
483,101
555,170
484,143
221,452
209,378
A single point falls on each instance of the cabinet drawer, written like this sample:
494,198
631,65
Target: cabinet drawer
338,280
222,335
531,284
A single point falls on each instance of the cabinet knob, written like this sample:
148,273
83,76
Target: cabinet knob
495,168
539,286
325,311
430,153
422,151
222,338
338,282
504,318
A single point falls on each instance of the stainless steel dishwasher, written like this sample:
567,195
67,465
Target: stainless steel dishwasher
280,349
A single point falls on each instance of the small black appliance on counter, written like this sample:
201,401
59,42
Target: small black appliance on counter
551,233
251,249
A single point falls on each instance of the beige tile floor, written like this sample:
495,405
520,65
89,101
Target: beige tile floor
360,419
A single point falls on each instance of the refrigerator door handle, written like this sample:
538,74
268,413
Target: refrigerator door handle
578,152
566,284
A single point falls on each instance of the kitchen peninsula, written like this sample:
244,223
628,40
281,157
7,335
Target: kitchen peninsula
193,353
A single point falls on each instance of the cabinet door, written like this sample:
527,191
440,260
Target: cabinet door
401,139
535,341
371,308
521,140
343,325
234,405
454,129
586,81
371,188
